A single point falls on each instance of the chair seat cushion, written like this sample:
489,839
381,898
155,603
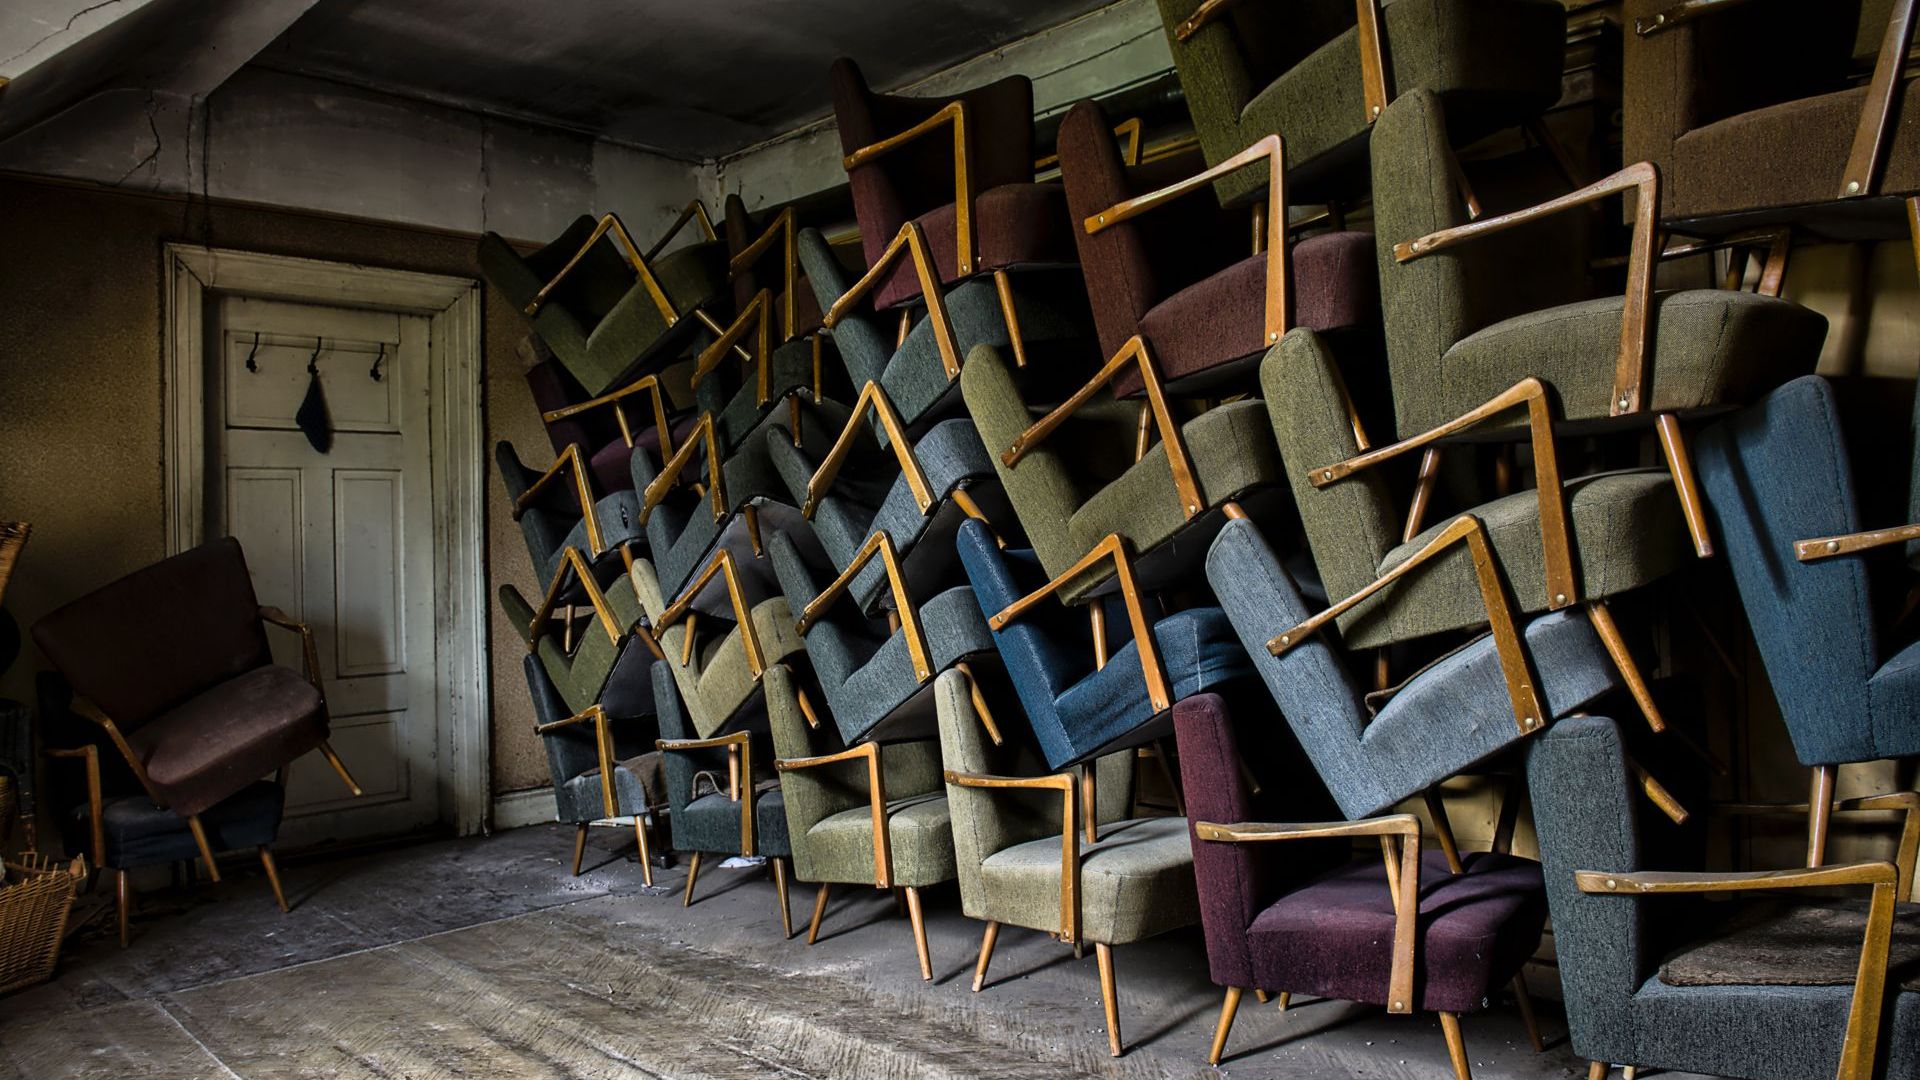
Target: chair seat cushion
882,698
1222,318
1232,451
721,679
1013,225
1109,709
1494,63
214,744
1710,347
1626,531
139,833
919,830
1787,155
710,823
1334,937
1136,881
611,470
1776,944
691,277
1895,693
637,785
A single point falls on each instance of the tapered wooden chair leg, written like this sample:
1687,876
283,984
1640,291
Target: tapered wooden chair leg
1456,1046
1602,619
1820,812
819,909
273,877
693,871
780,888
339,766
1443,828
1260,996
579,846
986,955
1630,1072
646,856
1285,997
206,850
1680,464
123,901
1597,1070
919,933
1109,995
1525,1001
1227,1009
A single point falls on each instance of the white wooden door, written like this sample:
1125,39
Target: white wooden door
342,540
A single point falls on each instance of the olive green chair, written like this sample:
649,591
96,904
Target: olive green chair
717,662
1028,856
868,815
1318,73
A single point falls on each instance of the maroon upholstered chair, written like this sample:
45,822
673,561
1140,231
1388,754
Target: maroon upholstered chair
172,662
943,188
765,255
1401,932
1182,280
606,429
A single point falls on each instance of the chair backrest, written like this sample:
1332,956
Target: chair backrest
1774,473
767,271
1045,651
544,527
554,387
897,187
594,287
570,750
598,671
1311,682
864,347
1586,815
678,767
149,641
841,640
1432,302
1718,65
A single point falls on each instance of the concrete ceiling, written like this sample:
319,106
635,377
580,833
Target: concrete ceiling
692,78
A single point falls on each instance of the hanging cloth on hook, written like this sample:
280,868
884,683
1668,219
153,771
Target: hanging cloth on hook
312,416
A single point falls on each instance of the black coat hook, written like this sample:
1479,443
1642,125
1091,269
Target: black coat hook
381,355
313,362
253,352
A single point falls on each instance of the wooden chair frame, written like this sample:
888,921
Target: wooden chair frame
695,210
783,228
876,800
596,714
722,564
1114,548
1066,784
1819,814
905,609
1372,44
573,564
739,747
873,398
570,461
953,114
910,241
702,435
757,314
616,400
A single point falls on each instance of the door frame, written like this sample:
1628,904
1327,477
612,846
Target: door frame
455,410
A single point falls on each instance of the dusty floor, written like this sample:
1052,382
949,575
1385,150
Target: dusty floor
483,958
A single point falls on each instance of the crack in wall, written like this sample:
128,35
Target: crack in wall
49,36
153,156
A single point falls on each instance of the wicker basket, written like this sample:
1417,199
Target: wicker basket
34,904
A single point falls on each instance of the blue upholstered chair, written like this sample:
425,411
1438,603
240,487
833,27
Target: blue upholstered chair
1789,501
740,811
1773,991
1080,707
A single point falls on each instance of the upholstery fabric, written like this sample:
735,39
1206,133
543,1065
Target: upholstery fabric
1451,715
711,822
740,231
555,522
139,833
218,741
1078,712
865,670
1014,225
602,670
573,759
597,432
1297,73
1776,473
161,635
1136,881
1587,818
717,686
1810,944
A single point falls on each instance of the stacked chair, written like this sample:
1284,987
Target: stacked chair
1314,463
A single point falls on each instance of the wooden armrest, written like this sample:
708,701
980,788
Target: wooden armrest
1112,547
1630,367
309,652
572,563
610,224
722,564
872,398
569,461
1521,694
910,241
1906,802
89,757
783,226
1269,149
1680,14
1373,67
738,738
702,434
1556,543
1405,885
879,544
1133,352
1069,831
603,749
955,114
757,314
1826,547
1128,130
88,710
650,384
1874,132
876,800
693,211
740,744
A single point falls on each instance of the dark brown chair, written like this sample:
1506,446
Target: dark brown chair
172,663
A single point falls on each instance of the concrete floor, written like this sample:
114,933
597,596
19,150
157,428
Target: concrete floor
482,957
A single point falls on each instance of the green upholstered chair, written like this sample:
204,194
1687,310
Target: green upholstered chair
1029,855
868,815
547,506
1395,581
716,661
1318,73
1473,308
739,811
610,312
877,672
593,698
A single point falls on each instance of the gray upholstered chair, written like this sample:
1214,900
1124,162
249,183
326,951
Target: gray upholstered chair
876,676
1031,852
716,660
1797,989
547,506
742,812
868,815
1791,484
